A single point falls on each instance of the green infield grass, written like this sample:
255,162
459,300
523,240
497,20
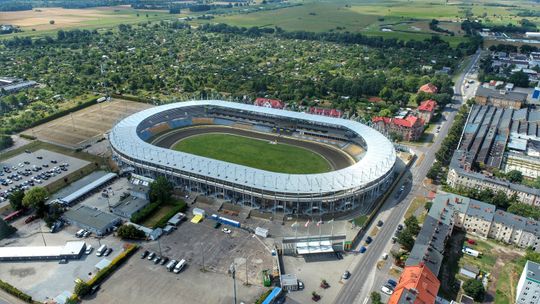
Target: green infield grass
254,153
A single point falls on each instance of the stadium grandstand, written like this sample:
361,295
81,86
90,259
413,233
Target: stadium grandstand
350,187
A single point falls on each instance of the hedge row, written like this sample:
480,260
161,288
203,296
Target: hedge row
141,215
26,136
179,206
132,98
115,263
15,292
263,296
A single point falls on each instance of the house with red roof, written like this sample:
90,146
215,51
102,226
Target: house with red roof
417,285
326,112
428,88
426,110
269,103
410,127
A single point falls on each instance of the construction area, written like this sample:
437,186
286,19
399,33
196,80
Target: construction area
86,126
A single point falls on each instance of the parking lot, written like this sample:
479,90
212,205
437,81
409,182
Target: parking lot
39,168
141,281
47,279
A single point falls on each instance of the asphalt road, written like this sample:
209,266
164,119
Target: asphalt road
337,158
363,279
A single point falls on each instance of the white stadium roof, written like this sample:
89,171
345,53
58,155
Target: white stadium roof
376,163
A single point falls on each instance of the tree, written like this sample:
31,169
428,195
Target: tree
525,210
5,140
514,176
412,224
5,229
475,289
35,198
375,298
160,190
130,232
16,200
81,288
51,21
406,239
520,79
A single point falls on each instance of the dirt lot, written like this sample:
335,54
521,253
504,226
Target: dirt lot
143,282
87,125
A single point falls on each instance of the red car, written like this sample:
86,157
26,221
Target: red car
472,242
30,218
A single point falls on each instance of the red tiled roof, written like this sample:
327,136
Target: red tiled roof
427,105
375,99
421,281
407,122
429,88
269,103
325,112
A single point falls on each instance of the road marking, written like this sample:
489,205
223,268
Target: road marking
365,300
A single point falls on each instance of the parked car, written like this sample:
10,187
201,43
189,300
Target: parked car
145,254
362,249
300,285
369,240
226,230
339,256
392,283
164,260
89,249
157,259
384,256
63,261
106,253
346,275
380,223
387,290
151,256
399,227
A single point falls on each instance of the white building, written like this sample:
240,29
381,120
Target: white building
528,289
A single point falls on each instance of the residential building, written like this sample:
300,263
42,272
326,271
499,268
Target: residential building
428,88
482,220
417,285
426,110
528,289
409,128
326,112
269,103
478,218
500,98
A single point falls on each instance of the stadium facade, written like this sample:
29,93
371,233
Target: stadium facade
339,191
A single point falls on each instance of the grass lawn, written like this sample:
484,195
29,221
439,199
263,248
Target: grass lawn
360,221
254,153
418,202
162,210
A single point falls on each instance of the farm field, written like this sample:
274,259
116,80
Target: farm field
254,153
37,21
407,20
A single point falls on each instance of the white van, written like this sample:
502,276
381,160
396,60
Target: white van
101,250
179,266
79,233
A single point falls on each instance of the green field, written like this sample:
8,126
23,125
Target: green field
254,153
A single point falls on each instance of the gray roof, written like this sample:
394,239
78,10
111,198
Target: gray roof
516,221
481,210
90,217
88,188
377,162
533,271
130,205
514,96
446,204
430,244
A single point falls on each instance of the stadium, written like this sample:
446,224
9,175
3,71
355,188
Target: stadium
268,159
